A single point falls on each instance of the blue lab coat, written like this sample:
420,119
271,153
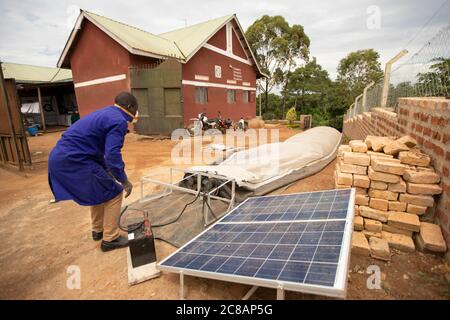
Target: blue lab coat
83,163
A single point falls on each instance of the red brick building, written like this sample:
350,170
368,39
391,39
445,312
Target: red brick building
217,70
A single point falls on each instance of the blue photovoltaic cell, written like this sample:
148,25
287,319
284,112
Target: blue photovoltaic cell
296,238
256,251
325,205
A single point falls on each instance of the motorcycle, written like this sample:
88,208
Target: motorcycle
224,125
201,123
241,125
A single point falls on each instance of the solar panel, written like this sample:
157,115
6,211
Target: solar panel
299,241
320,205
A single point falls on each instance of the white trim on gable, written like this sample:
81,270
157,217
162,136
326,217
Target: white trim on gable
77,28
248,46
73,33
226,53
206,45
240,42
209,38
229,38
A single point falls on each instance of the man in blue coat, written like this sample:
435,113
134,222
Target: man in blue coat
86,166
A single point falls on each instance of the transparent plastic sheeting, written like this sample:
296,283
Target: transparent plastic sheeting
252,167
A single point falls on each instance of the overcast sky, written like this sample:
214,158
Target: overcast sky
35,32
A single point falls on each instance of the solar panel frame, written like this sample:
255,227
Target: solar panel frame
340,284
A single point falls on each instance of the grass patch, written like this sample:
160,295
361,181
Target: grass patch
428,277
345,139
446,293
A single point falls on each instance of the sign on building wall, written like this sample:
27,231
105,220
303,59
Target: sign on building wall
218,71
237,74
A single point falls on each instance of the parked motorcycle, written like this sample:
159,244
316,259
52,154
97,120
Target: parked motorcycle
241,125
224,125
201,123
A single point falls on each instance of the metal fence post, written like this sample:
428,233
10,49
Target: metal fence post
356,105
364,100
387,75
352,110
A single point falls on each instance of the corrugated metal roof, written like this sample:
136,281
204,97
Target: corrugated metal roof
189,39
35,74
181,43
136,38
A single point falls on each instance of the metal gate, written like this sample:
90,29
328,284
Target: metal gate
158,90
13,140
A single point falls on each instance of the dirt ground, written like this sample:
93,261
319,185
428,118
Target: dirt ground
41,240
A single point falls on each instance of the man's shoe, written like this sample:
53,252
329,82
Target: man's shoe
120,242
97,235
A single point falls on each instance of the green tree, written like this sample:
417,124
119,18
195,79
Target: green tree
308,86
404,89
338,101
436,81
278,47
274,103
358,69
312,92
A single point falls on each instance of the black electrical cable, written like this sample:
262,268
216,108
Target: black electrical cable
156,225
179,216
209,207
130,229
139,225
166,241
165,223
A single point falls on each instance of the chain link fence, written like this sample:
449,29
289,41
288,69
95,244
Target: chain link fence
426,73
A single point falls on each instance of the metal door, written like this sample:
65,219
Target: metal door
158,90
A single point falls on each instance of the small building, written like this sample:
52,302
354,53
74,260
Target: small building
46,95
207,67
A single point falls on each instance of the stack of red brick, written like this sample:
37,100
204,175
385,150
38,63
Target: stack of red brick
395,185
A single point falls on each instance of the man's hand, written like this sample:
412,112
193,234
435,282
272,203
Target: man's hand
127,187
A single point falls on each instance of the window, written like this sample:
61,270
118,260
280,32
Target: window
201,95
246,96
231,96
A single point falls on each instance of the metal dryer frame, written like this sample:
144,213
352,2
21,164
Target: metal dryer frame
170,186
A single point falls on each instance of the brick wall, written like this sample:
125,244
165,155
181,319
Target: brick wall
428,121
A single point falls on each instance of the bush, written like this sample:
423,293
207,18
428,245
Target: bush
268,116
291,115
